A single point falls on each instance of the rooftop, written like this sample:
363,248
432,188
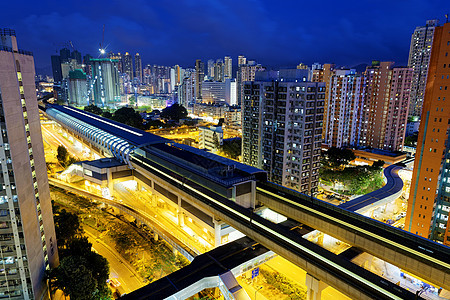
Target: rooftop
103,163
132,135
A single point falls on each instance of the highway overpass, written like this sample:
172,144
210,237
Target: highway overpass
230,191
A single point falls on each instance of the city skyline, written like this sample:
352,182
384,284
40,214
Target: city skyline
274,35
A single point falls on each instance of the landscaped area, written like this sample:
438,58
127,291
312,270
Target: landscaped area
151,259
340,177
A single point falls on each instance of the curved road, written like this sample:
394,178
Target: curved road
393,186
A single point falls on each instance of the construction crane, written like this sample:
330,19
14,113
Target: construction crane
102,49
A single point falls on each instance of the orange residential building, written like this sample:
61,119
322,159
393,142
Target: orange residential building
429,200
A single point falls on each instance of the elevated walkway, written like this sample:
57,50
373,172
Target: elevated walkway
217,268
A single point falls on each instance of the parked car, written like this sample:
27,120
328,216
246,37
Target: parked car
114,282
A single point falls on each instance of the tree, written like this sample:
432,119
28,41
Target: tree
107,114
216,141
74,278
378,164
67,227
90,266
174,112
63,155
132,101
128,116
154,124
93,109
232,147
97,263
334,158
412,139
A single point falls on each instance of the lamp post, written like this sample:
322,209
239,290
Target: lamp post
257,290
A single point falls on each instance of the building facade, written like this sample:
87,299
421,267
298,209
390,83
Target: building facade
345,99
138,67
210,138
78,89
419,59
429,198
128,65
27,233
228,67
246,72
282,131
199,77
56,68
213,92
397,110
105,85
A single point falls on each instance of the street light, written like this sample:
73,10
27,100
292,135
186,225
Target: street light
257,290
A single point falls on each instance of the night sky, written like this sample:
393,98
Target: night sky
275,33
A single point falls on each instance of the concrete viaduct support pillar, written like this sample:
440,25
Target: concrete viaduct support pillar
180,218
217,233
154,200
315,287
138,185
320,239
368,263
110,182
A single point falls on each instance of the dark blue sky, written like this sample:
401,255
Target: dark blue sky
275,33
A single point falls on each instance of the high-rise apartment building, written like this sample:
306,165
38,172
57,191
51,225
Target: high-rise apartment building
246,72
242,60
429,198
213,91
199,78
323,75
77,56
282,130
385,108
219,70
56,68
128,65
105,87
138,67
374,117
186,92
78,89
119,59
64,53
345,99
27,236
210,70
419,59
228,67
397,109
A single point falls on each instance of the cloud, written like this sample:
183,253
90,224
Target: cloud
178,32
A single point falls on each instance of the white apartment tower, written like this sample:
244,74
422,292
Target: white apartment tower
419,60
228,71
27,232
345,100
